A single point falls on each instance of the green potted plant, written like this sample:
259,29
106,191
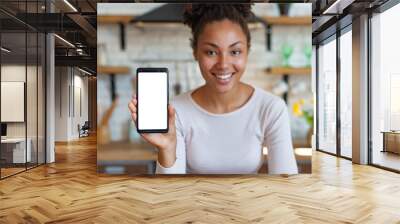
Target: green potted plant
304,109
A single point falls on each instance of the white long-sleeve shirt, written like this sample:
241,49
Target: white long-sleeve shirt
231,143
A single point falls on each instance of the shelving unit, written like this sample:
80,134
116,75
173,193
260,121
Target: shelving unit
273,20
288,20
121,20
286,72
113,70
114,19
289,70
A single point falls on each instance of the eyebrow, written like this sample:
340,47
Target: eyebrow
216,46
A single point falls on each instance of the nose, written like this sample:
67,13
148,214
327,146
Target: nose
223,61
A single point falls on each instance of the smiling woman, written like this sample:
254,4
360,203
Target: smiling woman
222,126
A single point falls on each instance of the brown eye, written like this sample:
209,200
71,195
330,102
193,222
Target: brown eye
211,53
236,52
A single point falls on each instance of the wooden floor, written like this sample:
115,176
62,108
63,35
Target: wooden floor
10,171
71,191
387,159
5,172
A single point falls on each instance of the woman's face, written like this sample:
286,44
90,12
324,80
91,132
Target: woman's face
222,54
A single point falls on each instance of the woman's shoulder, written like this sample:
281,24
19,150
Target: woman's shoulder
269,100
272,109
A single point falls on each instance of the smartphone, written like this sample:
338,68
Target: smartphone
152,100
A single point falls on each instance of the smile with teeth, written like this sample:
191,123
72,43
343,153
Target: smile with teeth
225,76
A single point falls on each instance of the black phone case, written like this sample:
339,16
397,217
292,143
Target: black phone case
137,94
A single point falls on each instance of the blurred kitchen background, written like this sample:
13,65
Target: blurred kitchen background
132,35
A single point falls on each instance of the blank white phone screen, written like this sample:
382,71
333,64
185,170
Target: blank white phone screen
152,100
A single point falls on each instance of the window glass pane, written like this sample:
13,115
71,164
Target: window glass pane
22,78
386,89
41,98
346,93
31,97
327,97
14,153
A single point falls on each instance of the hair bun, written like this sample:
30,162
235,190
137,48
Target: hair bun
244,9
194,12
196,16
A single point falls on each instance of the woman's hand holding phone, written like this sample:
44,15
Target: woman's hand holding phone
165,142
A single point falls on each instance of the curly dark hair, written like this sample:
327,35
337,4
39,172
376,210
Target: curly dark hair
196,16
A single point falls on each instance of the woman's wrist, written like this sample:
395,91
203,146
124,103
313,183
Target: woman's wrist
167,156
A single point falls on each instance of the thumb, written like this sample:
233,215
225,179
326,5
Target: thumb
171,115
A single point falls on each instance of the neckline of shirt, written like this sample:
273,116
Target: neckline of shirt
243,107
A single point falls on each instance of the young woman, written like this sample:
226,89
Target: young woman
222,126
